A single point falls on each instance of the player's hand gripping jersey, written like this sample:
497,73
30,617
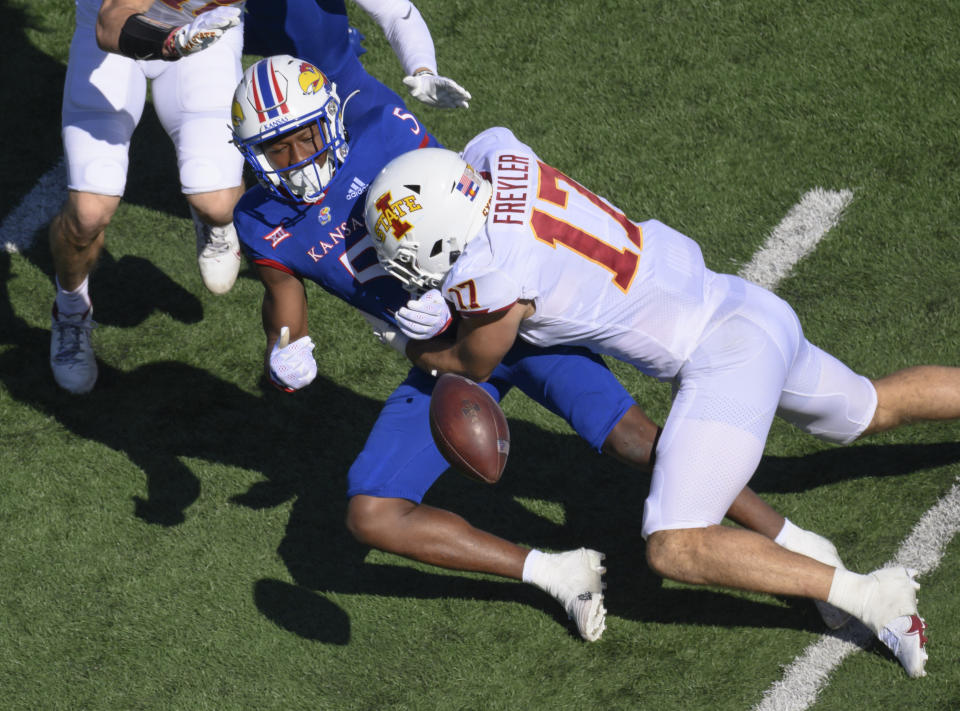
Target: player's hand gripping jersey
327,241
647,296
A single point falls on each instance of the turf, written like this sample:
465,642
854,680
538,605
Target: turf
175,540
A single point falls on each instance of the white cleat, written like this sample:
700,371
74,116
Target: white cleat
218,254
890,612
905,638
71,352
575,579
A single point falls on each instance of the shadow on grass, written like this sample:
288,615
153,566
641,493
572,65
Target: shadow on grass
163,412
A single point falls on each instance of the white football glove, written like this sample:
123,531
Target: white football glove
291,364
437,91
204,31
425,317
388,335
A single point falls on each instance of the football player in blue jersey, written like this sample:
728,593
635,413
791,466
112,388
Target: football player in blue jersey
314,156
319,32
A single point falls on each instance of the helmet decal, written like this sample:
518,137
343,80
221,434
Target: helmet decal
389,213
469,183
311,79
268,92
236,114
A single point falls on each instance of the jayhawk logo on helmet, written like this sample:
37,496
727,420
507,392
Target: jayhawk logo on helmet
311,79
236,114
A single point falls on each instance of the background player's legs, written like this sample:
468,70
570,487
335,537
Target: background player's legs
76,239
192,98
103,98
218,247
77,234
215,207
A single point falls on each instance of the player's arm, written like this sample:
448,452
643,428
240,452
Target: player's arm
112,17
481,343
288,361
123,28
410,39
284,304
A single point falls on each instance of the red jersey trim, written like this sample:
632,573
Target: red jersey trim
275,265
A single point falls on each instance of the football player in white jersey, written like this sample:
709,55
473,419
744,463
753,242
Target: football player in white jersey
521,249
120,45
117,47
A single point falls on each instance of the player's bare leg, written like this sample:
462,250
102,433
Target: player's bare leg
76,240
924,392
633,441
732,557
218,248
884,600
77,235
432,535
444,539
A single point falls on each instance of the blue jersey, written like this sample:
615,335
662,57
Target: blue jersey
319,32
327,242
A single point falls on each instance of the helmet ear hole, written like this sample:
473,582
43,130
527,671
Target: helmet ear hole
437,248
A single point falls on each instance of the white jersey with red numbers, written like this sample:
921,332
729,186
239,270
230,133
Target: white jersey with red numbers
172,12
735,352
637,292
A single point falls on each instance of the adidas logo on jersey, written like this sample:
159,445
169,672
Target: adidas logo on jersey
357,188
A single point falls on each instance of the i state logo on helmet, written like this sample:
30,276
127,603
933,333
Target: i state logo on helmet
389,213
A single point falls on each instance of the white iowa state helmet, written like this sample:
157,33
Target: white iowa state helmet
276,96
421,210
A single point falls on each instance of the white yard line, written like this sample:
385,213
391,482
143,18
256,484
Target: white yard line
803,679
796,236
35,210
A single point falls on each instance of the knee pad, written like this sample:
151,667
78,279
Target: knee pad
205,175
94,166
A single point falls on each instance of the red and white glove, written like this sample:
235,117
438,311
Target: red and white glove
206,29
425,317
291,364
437,91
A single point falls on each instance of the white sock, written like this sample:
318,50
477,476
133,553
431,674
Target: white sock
72,302
808,543
529,564
849,591
785,532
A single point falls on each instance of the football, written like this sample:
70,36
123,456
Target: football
469,428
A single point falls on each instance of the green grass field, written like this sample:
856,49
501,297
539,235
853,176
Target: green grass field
175,539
